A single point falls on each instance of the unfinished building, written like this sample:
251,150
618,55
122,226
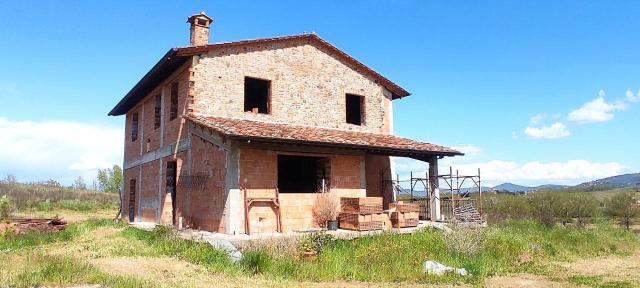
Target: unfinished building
233,136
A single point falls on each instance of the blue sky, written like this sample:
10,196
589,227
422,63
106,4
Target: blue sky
534,91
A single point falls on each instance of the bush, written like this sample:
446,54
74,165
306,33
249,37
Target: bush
325,208
6,207
255,262
50,195
623,207
465,241
315,242
507,207
545,205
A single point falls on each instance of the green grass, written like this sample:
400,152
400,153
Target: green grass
388,257
61,270
9,241
73,205
165,242
598,282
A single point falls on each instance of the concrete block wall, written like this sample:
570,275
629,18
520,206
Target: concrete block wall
308,85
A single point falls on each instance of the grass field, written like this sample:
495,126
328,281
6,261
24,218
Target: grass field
96,250
115,255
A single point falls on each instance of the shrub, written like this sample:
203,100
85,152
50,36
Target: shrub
6,207
465,241
507,207
315,241
623,207
545,205
325,208
255,262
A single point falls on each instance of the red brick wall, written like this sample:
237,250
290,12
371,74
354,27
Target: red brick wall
177,128
206,205
173,129
128,175
258,174
374,167
149,190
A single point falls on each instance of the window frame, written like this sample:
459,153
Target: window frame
157,112
135,122
361,102
268,104
173,94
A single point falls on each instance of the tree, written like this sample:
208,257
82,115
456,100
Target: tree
109,179
623,207
79,184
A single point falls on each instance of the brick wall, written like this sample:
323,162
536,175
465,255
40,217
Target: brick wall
308,85
375,166
128,175
258,174
173,129
206,205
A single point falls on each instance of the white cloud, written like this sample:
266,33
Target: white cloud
467,149
537,118
57,149
631,97
597,110
555,131
531,173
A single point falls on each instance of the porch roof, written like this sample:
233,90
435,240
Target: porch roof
240,129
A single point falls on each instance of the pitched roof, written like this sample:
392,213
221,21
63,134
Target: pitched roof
175,57
240,129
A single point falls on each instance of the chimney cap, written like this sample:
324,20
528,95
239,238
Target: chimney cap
192,18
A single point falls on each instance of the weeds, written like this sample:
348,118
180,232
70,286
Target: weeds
10,241
165,241
42,196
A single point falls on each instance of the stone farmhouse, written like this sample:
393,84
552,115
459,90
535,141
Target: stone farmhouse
238,136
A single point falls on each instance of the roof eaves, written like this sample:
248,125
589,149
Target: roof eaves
118,109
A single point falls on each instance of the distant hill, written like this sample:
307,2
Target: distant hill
620,181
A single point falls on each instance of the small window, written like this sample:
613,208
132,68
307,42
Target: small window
132,200
256,95
302,174
157,112
173,110
134,127
355,109
171,176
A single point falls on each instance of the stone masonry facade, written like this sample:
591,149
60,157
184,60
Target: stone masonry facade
308,87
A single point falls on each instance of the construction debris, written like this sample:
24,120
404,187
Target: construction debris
433,267
20,226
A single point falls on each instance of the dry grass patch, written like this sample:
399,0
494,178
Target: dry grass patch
524,281
610,268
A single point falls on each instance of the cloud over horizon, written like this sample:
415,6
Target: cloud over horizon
496,172
554,131
59,150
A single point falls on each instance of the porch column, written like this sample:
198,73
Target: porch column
435,190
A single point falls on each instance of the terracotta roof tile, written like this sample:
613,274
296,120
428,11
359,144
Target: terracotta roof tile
249,129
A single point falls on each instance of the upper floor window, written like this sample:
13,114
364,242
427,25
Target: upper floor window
355,109
134,127
257,93
157,112
173,110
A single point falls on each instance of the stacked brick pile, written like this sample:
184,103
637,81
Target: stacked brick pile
361,213
404,214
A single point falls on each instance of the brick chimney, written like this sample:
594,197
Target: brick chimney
199,28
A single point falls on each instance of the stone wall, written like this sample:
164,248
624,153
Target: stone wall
308,85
